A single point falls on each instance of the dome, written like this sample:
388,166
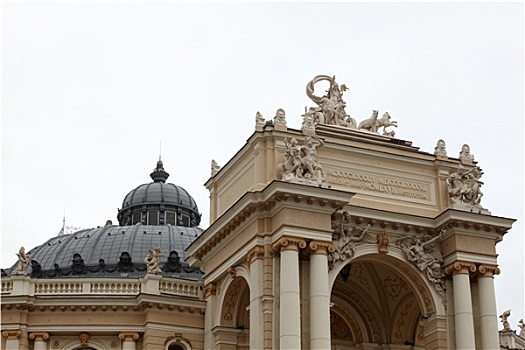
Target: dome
157,214
112,251
159,203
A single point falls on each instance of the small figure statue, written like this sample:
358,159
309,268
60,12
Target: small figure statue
369,124
308,126
504,319
464,186
345,237
152,261
465,153
259,120
280,117
214,167
440,150
522,329
23,263
425,255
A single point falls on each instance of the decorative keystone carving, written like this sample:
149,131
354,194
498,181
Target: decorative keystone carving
460,267
84,338
317,247
255,253
382,242
288,243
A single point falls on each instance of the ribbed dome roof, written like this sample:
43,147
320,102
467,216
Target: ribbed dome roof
162,197
105,247
157,214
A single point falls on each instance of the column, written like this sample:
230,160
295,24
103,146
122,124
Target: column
320,337
463,317
12,342
128,340
487,307
255,261
40,340
210,295
289,294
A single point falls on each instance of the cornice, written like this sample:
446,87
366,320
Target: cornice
261,202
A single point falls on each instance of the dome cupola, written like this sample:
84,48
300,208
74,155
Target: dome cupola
159,203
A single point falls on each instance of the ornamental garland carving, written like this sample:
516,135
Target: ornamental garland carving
426,256
345,237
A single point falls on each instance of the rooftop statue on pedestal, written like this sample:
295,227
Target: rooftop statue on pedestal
23,263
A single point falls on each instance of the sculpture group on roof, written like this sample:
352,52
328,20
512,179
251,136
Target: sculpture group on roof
300,162
464,186
331,109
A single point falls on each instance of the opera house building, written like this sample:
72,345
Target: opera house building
331,235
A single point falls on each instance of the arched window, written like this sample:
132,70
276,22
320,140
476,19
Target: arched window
176,347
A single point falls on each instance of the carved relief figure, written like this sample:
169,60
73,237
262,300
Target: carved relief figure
424,254
464,186
382,242
522,329
345,237
301,161
152,261
23,262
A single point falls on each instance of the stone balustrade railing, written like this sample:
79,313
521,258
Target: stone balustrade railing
27,286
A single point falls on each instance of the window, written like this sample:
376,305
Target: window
170,218
175,347
153,217
136,217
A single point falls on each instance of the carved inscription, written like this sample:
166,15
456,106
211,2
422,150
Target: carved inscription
374,183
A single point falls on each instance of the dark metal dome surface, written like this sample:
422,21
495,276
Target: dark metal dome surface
101,250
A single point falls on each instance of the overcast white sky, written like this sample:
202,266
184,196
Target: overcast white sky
90,89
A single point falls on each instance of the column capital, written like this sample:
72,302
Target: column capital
320,247
210,289
460,267
488,270
289,243
129,336
255,253
11,334
39,336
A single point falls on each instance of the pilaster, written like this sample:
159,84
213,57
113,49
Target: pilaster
129,340
40,339
12,339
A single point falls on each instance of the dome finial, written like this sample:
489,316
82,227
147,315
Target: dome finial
159,174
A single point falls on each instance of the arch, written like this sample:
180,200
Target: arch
177,343
428,298
231,308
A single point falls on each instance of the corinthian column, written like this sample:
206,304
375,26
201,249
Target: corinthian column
487,307
463,318
319,296
40,340
289,295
